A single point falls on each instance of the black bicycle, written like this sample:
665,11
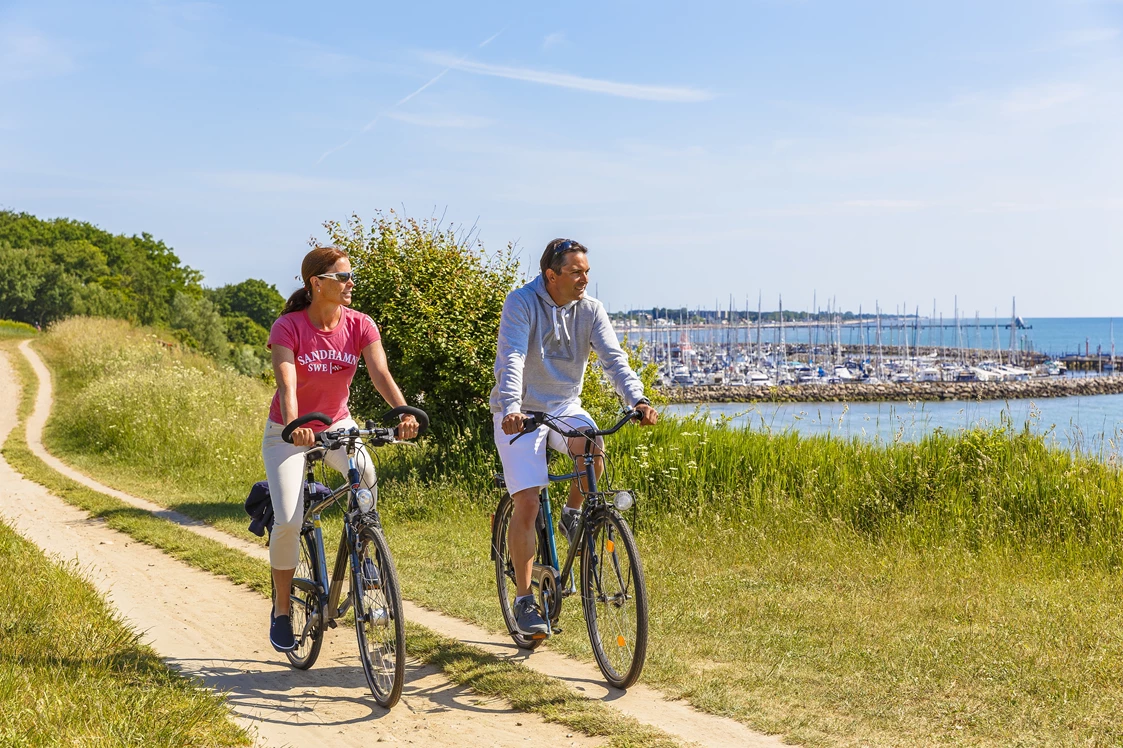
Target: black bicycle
613,592
374,594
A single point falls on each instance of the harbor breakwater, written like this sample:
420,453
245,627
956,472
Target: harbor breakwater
904,392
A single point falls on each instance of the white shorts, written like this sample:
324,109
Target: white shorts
524,462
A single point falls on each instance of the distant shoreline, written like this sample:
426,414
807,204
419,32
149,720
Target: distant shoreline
904,392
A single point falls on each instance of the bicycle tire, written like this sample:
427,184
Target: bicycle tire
614,596
379,621
505,573
305,605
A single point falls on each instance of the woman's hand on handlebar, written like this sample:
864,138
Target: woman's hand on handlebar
408,427
648,414
304,437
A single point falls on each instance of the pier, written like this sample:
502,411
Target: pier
1033,389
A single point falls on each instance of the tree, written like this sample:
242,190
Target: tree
138,276
437,298
198,324
253,298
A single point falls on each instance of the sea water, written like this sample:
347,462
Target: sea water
1092,425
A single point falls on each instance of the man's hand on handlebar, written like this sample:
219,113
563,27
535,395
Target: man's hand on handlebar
649,414
408,427
513,423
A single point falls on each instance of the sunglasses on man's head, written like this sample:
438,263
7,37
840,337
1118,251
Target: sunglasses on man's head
563,247
341,277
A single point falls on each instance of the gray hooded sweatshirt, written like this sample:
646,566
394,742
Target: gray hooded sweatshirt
544,349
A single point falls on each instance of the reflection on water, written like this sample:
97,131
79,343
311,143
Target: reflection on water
1093,425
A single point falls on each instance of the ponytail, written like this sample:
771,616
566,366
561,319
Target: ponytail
301,299
319,260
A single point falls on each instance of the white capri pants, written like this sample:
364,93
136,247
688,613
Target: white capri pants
524,462
284,467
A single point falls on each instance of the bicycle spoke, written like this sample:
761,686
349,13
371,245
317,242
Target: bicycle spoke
615,602
378,618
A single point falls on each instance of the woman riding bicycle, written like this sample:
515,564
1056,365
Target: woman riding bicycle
316,344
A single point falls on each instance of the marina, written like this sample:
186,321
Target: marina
873,357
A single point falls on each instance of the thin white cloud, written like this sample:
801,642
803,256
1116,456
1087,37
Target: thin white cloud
1006,206
1040,98
553,40
273,182
191,12
576,82
399,102
1086,37
886,204
26,54
461,121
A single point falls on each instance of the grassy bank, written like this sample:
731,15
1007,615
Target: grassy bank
10,329
72,674
959,590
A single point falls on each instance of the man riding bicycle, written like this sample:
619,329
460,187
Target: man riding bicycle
548,328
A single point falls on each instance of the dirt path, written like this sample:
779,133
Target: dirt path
645,704
211,629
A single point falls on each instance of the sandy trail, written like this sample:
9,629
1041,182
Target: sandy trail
645,704
213,630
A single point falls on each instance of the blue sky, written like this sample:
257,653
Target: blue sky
898,152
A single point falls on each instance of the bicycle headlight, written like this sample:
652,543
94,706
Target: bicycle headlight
623,501
365,499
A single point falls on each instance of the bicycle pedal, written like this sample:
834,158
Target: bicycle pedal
331,624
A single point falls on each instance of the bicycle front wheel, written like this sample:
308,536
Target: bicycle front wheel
614,596
305,607
379,622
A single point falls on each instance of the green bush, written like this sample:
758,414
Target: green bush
437,300
600,398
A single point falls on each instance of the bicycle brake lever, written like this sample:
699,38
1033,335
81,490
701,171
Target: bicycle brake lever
530,425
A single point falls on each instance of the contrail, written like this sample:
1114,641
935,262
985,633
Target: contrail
399,102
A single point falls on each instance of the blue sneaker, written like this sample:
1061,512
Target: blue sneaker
568,525
280,633
529,620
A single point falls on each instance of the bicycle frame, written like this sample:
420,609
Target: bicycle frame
593,505
330,608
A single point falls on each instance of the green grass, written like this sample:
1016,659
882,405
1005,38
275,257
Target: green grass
71,673
485,674
960,590
10,329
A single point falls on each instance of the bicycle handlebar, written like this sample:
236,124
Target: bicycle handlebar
537,419
370,430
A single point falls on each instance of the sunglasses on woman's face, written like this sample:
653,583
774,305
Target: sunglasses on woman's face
341,277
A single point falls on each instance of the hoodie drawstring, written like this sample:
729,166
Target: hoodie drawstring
559,328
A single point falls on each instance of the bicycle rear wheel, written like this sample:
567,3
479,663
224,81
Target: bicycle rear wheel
505,572
614,596
305,607
379,621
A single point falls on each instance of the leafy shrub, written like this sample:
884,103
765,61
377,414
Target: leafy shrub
437,299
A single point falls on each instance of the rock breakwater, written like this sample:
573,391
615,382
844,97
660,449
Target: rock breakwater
912,391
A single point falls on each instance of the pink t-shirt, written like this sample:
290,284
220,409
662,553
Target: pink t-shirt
325,361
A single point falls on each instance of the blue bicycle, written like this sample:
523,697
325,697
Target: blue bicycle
374,593
613,591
